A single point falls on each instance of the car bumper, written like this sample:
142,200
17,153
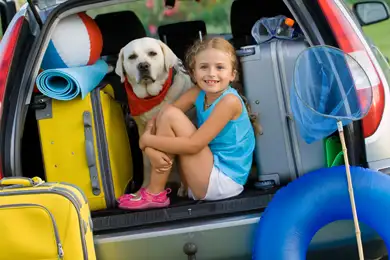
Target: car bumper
222,238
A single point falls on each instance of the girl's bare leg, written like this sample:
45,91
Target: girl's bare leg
196,168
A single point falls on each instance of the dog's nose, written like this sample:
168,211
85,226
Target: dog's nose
143,66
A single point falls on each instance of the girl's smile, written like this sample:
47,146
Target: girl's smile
213,70
211,82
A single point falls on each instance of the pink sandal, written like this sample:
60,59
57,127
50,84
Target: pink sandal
128,196
146,200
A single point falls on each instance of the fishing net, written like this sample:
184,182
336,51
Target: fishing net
329,86
330,90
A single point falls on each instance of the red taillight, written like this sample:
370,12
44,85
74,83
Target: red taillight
7,50
350,43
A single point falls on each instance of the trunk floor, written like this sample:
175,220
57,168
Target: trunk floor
250,199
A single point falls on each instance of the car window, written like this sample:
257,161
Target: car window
215,13
378,34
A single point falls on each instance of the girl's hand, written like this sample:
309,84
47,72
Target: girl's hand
159,160
149,130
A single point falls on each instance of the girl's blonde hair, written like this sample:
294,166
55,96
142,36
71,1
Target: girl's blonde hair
222,45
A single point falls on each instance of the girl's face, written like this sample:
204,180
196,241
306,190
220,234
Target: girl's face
213,70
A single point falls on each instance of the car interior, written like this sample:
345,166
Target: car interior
243,15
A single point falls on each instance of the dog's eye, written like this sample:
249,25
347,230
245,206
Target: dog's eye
152,53
133,56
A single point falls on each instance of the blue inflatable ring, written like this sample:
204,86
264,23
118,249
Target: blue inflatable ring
316,199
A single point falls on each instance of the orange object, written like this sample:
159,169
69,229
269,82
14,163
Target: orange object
290,22
95,36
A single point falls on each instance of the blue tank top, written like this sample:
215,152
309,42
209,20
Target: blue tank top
233,147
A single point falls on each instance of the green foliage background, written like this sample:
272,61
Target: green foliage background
216,14
379,33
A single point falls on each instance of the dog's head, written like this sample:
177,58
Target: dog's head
145,62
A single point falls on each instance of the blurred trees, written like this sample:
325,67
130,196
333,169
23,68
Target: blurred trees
152,13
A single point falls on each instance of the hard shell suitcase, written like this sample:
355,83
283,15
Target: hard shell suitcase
44,221
281,154
85,143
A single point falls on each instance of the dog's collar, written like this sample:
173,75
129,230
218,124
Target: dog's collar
138,105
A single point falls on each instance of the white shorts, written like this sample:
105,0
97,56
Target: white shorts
220,187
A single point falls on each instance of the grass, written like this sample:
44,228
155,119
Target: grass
380,35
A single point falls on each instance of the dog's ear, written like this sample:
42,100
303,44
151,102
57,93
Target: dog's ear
119,66
170,59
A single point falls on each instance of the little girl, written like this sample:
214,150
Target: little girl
216,157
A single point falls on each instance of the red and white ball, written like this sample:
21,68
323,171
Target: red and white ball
76,41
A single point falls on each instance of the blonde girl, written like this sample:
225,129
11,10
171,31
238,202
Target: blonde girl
215,157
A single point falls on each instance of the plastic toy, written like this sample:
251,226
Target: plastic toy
76,41
316,199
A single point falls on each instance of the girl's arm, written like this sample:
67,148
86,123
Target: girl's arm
227,109
186,101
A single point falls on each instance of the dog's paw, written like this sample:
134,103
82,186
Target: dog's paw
182,191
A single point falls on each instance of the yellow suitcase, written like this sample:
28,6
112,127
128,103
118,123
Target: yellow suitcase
41,220
85,143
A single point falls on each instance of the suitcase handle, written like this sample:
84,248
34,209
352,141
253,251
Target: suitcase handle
90,152
245,52
19,182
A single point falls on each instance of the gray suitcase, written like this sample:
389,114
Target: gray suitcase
281,154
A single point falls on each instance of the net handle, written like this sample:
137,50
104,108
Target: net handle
350,191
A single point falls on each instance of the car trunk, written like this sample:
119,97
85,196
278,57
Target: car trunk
252,200
183,221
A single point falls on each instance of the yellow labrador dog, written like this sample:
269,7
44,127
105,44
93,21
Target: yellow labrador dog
153,76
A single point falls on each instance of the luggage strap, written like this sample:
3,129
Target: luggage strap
90,152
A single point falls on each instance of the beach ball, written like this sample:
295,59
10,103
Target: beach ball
76,41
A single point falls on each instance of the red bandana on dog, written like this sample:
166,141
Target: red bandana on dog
138,105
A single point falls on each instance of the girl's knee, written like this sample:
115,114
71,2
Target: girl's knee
168,113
